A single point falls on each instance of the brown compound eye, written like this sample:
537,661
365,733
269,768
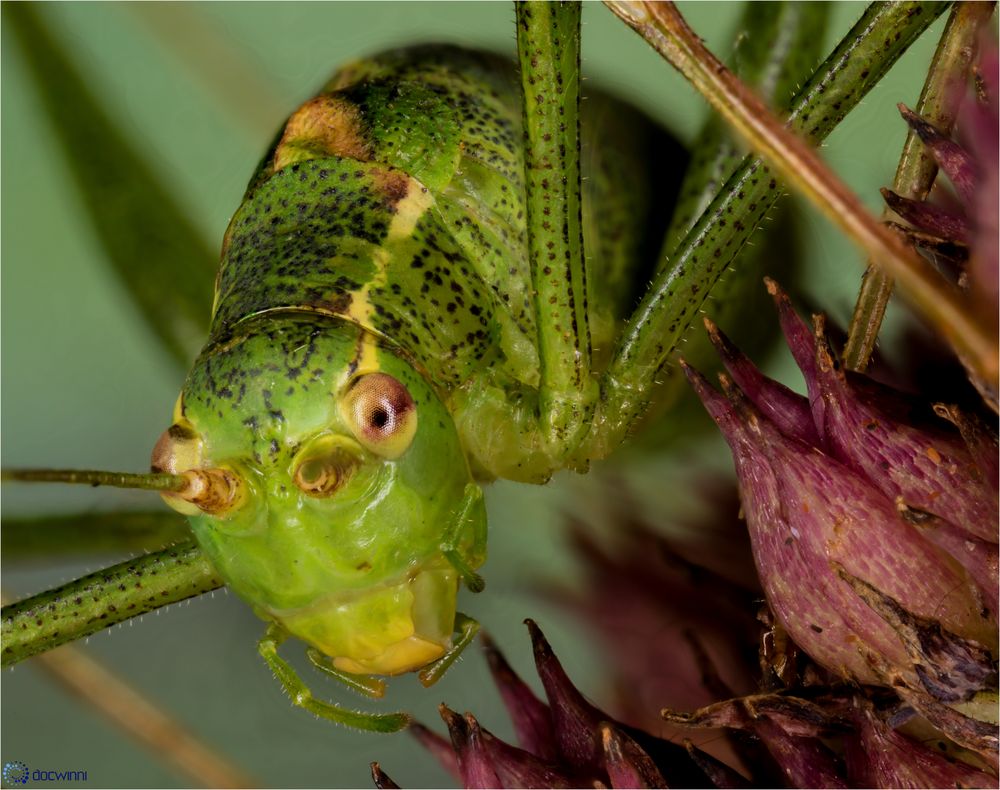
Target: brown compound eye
178,449
381,414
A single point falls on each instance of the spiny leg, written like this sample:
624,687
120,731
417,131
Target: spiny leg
99,600
302,696
678,291
466,628
366,685
548,45
462,559
774,48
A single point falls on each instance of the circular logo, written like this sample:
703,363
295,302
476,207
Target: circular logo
15,772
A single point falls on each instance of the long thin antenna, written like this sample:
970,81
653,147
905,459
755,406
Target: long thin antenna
149,481
212,490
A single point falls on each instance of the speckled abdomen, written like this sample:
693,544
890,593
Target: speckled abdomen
395,200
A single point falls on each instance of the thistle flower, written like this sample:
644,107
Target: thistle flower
636,598
853,518
565,741
801,736
867,748
943,481
805,511
879,756
898,442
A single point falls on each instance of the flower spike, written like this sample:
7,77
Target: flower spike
787,409
531,717
804,511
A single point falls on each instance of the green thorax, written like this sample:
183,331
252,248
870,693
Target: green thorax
395,200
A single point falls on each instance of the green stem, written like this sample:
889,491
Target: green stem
938,103
103,599
148,238
664,28
678,291
82,534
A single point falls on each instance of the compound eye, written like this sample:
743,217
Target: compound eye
381,414
178,449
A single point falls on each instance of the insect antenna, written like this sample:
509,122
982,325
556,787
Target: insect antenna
92,477
214,491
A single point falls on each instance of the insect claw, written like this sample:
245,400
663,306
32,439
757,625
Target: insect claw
472,580
366,685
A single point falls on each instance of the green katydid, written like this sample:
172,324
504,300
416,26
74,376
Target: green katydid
334,455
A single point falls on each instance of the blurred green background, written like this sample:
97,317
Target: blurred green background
84,384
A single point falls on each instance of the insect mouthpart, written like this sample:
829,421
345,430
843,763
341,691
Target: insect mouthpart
415,613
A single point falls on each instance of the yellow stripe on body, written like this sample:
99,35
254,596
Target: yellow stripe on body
409,209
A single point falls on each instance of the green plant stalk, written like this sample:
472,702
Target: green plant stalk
664,28
90,533
105,598
939,102
135,217
854,67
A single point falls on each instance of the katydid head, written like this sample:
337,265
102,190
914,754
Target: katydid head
354,489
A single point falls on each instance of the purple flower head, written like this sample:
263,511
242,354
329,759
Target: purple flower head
563,742
809,514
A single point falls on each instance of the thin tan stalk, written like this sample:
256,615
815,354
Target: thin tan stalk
140,718
198,43
665,29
